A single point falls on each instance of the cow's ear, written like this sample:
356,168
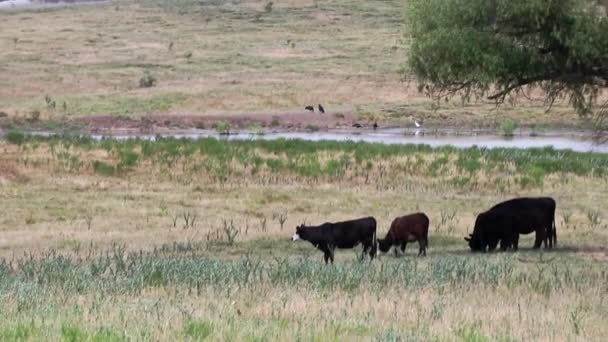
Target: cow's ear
467,239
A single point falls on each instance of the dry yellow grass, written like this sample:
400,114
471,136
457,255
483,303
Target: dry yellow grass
48,207
346,55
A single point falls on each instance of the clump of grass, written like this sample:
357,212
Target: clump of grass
508,127
147,80
594,217
566,217
222,127
197,330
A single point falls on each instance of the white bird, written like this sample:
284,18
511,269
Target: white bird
418,125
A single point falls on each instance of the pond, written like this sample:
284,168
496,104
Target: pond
576,141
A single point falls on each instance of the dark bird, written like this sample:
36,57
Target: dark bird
321,109
310,108
357,125
375,125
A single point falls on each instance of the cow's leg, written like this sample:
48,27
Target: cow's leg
421,247
327,253
515,241
374,249
505,243
403,245
492,244
540,237
368,248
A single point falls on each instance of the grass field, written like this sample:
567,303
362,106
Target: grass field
226,57
175,239
191,240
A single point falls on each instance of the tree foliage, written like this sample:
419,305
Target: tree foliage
498,49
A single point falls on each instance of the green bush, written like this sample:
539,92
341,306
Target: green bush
15,137
508,127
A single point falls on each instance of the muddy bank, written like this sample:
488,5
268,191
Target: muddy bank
287,121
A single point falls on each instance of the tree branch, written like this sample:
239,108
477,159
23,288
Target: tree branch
520,83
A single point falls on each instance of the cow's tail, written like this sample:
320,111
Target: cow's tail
554,231
374,250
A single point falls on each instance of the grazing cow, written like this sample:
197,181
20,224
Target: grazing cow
516,216
310,108
492,227
346,234
321,109
538,215
404,229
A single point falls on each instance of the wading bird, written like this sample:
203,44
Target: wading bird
321,109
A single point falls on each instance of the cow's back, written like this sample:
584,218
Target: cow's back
347,234
409,226
535,212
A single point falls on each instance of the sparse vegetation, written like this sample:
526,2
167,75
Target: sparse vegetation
232,264
228,47
147,80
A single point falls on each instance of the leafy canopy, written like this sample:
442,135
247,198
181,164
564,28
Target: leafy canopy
502,48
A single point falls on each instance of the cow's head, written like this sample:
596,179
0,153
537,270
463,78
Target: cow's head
474,243
475,240
383,245
300,232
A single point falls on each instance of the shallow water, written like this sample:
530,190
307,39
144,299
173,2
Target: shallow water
576,141
39,4
396,136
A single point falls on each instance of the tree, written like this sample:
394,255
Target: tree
499,49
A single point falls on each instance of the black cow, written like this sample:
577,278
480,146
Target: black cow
516,216
537,214
492,227
346,234
404,229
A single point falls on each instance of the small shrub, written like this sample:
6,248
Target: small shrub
566,216
508,128
594,217
147,80
268,7
3,114
312,128
50,103
222,127
103,168
34,116
15,137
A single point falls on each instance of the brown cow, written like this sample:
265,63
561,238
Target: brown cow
404,229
